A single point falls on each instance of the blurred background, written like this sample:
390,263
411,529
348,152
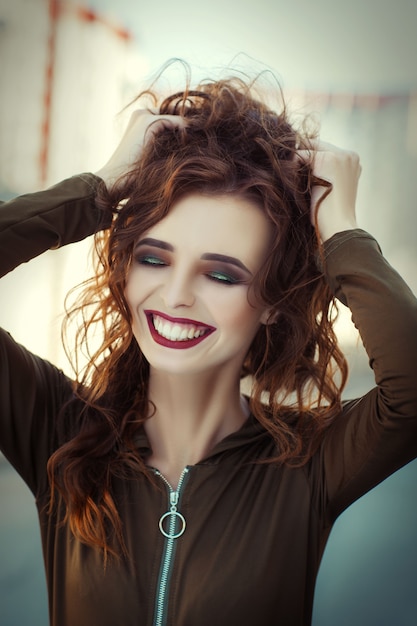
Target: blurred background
66,71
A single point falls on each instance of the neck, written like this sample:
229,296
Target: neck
192,415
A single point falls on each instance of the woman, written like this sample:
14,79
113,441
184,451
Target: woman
166,496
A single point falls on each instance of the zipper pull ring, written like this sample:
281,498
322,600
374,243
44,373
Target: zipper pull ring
173,516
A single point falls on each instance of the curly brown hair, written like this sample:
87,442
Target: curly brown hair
232,143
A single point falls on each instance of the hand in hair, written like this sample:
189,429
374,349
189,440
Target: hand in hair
335,206
142,125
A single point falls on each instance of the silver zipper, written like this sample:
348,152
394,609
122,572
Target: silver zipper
171,534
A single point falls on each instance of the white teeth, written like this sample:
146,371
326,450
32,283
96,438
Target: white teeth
176,332
183,334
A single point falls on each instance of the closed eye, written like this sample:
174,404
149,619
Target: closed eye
223,278
150,259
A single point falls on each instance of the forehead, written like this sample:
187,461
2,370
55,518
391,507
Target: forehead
227,224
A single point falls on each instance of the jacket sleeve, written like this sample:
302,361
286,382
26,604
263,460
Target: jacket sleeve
31,389
36,222
376,434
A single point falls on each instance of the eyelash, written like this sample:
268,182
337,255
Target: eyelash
220,277
217,277
151,260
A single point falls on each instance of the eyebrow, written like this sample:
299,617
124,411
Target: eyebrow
156,243
223,258
208,256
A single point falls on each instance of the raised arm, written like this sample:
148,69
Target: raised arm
36,222
376,434
67,212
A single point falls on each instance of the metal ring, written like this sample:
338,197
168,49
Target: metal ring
169,514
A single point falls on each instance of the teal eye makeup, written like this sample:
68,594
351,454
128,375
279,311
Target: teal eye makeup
223,278
149,259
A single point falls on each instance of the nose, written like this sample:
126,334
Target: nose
178,290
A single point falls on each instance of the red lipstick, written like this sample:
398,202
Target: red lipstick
181,342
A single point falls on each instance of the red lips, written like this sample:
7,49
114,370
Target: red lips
180,341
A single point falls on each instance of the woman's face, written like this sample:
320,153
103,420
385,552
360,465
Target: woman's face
187,288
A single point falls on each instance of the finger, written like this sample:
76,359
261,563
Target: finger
165,122
319,145
170,121
303,155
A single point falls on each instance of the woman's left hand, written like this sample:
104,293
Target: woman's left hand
337,210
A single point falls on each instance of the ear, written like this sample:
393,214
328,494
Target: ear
268,318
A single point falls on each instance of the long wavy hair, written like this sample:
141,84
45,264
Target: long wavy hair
231,143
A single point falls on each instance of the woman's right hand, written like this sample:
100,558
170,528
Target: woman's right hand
334,211
142,125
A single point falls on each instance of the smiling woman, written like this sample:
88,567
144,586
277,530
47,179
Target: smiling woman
181,270
165,495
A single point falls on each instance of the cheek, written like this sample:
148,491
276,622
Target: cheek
137,288
236,314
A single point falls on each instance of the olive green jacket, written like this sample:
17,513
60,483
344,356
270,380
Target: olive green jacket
254,533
